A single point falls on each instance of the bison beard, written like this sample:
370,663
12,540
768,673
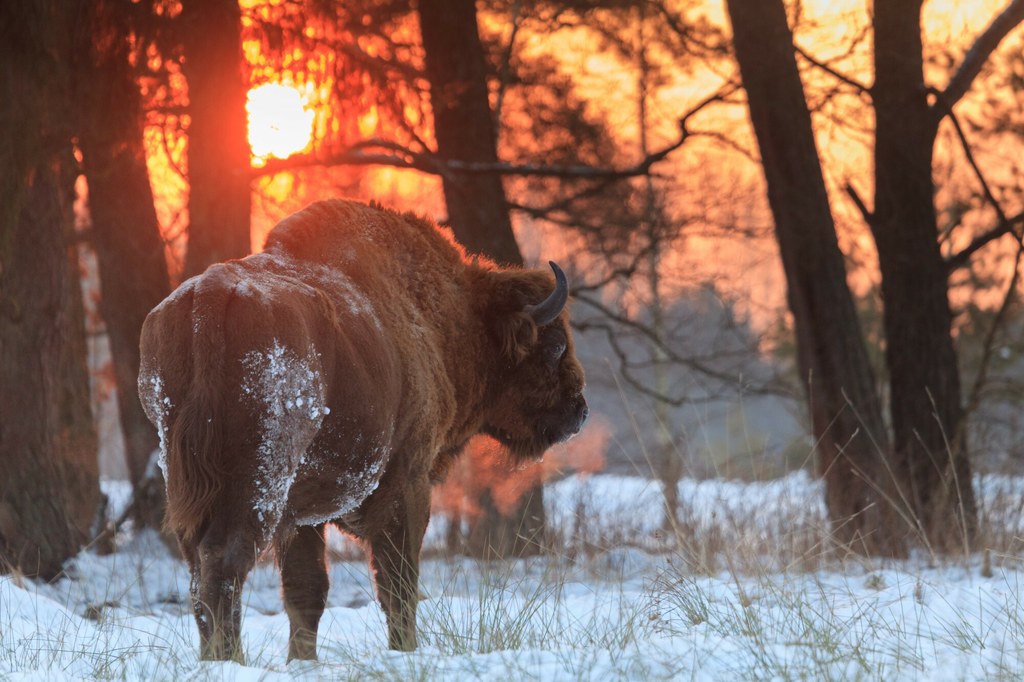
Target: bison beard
331,379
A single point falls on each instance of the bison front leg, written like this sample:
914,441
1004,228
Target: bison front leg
304,586
395,559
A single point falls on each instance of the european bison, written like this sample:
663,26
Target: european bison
331,379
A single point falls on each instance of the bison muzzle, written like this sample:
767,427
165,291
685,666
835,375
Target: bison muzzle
331,379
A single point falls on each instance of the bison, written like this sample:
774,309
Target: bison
331,379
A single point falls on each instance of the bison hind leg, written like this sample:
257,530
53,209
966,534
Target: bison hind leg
304,587
220,563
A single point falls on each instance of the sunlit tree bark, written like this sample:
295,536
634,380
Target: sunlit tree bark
125,231
477,210
845,410
49,483
218,148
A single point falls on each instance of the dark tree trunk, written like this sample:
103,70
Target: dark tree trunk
49,489
218,147
930,454
496,536
477,211
464,127
125,234
841,389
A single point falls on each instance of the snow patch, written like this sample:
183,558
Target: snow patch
158,406
355,488
623,614
289,391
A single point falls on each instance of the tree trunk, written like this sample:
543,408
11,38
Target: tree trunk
218,147
930,453
49,489
464,127
832,359
477,211
667,455
126,236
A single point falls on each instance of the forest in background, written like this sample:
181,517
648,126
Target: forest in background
812,209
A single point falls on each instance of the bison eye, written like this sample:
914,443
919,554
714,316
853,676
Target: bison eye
553,350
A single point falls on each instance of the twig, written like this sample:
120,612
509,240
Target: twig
990,335
691,363
866,213
838,75
961,258
506,61
976,57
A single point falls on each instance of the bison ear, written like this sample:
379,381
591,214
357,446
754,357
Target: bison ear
517,334
521,301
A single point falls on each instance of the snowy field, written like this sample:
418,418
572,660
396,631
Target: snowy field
750,592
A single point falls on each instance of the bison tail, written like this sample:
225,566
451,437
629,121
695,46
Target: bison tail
195,460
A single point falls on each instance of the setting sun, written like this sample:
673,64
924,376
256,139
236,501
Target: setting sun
280,123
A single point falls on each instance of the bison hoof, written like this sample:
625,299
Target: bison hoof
302,653
402,643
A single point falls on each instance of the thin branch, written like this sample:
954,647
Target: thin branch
380,64
341,158
623,272
838,75
865,212
1003,224
977,170
961,258
989,345
403,157
638,385
674,357
427,163
976,57
506,62
565,203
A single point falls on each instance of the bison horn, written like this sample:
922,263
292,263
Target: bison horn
547,310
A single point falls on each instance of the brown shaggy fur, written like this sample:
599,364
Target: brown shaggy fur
330,379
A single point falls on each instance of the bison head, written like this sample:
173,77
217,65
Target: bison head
537,396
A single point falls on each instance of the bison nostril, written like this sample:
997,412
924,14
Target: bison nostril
581,416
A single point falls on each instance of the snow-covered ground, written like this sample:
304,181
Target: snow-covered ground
747,595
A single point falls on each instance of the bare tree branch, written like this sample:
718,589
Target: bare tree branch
838,75
625,367
506,63
865,212
1004,224
694,364
961,258
989,196
396,156
381,65
564,203
624,272
976,57
399,156
988,347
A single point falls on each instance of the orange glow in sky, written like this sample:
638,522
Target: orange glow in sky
280,122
